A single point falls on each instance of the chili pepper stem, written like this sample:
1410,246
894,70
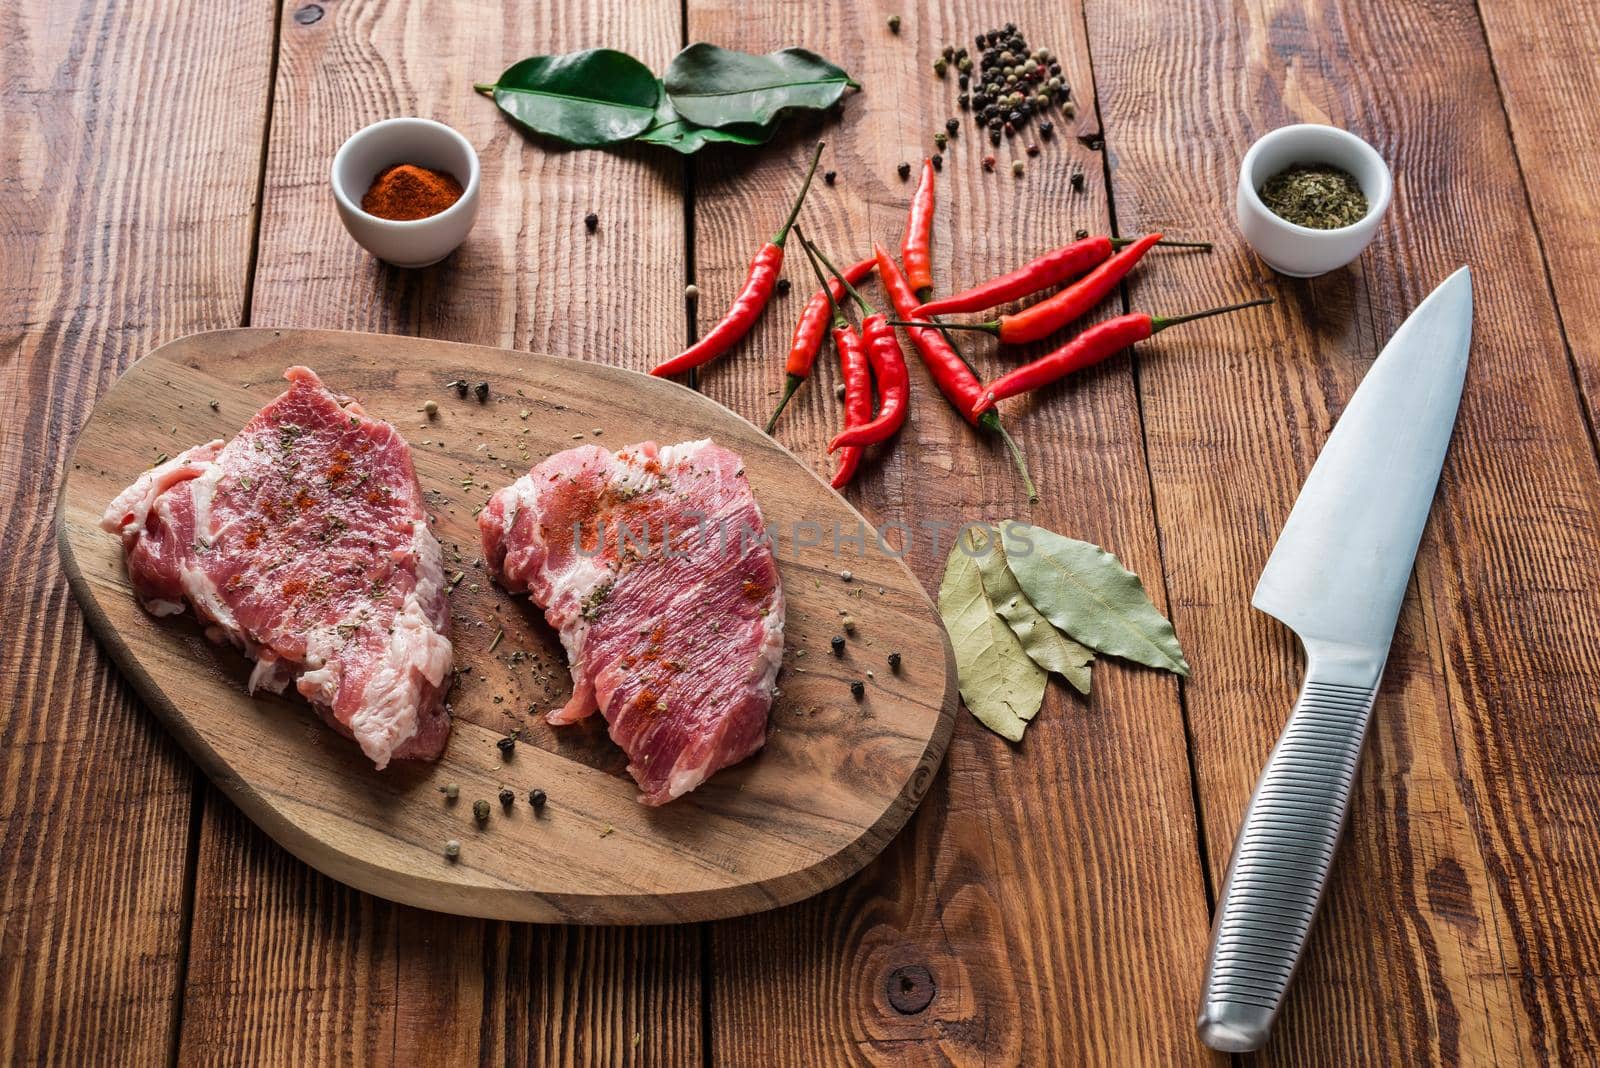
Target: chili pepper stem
986,328
990,421
486,88
790,384
794,213
1123,242
822,279
1159,323
866,309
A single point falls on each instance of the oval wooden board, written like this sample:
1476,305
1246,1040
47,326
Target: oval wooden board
836,779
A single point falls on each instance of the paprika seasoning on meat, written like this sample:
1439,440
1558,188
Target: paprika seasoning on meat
406,192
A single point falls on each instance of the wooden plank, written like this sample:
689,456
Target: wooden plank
130,221
1049,895
1548,84
333,974
1460,927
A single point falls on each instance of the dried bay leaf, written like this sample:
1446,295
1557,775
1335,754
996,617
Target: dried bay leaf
1087,593
1000,683
1047,646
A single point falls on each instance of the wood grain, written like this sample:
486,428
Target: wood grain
1046,906
527,277
1458,928
127,219
836,779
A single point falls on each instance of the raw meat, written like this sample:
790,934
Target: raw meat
304,543
655,566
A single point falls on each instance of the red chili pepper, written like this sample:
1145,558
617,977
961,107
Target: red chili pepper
888,365
1090,347
854,368
809,332
916,246
950,372
752,298
1053,268
857,397
1072,303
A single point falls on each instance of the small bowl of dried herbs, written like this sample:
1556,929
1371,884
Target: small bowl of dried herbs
1311,198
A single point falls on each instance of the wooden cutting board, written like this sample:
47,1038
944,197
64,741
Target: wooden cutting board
837,778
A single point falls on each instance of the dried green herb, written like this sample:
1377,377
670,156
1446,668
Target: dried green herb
1316,195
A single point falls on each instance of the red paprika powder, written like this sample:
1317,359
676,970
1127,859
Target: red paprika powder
405,192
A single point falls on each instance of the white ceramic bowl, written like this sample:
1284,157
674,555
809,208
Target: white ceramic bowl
1299,250
417,242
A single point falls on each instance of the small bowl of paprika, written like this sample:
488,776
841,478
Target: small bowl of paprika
407,190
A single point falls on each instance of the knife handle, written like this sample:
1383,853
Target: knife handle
1281,860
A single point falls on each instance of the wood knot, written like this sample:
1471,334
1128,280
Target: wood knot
911,989
305,16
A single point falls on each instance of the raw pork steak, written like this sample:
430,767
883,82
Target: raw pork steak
303,542
654,565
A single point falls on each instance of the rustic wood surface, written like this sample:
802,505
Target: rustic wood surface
837,778
1048,903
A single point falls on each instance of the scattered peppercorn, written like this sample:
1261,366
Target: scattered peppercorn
952,126
941,140
451,791
1077,181
1047,130
988,161
848,622
1081,234
507,746
430,408
691,292
592,221
941,65
480,811
536,798
460,385
894,662
1033,149
507,798
783,287
214,405
994,137
838,644
938,162
894,23
905,171
858,689
847,575
481,391
1017,168
830,177
452,849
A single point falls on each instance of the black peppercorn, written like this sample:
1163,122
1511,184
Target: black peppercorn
938,161
783,287
894,661
1081,234
963,101
507,798
461,387
858,689
592,222
838,644
1014,116
831,177
949,53
981,40
1046,128
994,137
905,171
1011,131
952,126
481,391
1077,181
507,746
536,799
1055,69
964,81
1026,107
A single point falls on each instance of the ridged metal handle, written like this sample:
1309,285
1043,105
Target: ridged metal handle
1280,863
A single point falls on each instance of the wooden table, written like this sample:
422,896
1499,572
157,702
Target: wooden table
163,169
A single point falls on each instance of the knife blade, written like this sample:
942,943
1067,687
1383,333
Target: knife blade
1336,577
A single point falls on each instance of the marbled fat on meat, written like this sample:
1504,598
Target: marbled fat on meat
653,564
304,543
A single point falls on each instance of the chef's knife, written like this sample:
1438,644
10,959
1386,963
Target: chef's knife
1336,577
